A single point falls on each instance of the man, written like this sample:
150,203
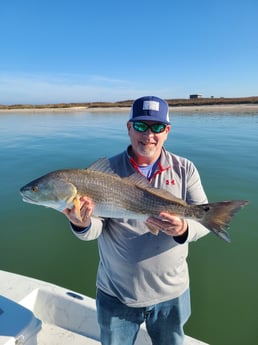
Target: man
143,277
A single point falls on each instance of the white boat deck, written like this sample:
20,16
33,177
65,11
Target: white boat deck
65,316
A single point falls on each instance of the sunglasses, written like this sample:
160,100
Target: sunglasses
155,127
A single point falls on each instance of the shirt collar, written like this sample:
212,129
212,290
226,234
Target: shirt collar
162,166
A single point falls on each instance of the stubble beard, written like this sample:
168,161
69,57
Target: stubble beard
147,150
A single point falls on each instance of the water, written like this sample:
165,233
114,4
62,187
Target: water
37,242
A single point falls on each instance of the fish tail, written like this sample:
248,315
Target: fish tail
218,215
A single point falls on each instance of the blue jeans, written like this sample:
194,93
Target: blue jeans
119,324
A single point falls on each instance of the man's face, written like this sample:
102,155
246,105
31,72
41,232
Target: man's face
147,144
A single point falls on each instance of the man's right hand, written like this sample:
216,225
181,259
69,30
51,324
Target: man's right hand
86,209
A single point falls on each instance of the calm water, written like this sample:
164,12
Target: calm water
37,242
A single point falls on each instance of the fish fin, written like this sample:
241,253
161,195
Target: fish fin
142,183
102,165
153,228
218,216
138,180
77,208
164,194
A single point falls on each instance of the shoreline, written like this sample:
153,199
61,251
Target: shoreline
173,109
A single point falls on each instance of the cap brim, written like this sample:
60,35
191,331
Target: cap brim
148,118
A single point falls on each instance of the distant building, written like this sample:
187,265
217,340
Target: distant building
195,96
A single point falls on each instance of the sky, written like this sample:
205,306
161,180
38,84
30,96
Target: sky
62,51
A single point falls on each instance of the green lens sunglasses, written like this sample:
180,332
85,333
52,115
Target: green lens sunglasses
155,127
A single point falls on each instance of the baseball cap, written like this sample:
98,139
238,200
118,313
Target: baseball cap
150,108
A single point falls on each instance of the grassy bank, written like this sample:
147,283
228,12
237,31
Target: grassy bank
128,103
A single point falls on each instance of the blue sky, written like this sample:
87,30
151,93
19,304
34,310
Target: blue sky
56,51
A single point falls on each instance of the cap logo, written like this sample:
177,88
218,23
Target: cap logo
150,105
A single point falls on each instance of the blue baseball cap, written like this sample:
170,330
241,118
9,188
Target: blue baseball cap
150,108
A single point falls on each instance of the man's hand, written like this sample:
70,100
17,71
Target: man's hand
86,209
169,224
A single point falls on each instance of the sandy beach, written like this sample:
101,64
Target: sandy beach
246,108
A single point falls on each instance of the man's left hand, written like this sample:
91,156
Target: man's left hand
171,225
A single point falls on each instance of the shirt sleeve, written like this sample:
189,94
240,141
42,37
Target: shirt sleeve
92,232
195,193
195,230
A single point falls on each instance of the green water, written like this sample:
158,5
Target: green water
37,241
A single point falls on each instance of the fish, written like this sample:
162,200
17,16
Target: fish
129,197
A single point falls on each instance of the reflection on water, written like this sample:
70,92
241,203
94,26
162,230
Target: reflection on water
37,241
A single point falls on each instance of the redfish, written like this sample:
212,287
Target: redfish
130,197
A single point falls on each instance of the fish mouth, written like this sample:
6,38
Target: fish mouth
28,199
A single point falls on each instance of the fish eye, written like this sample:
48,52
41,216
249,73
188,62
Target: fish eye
35,189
